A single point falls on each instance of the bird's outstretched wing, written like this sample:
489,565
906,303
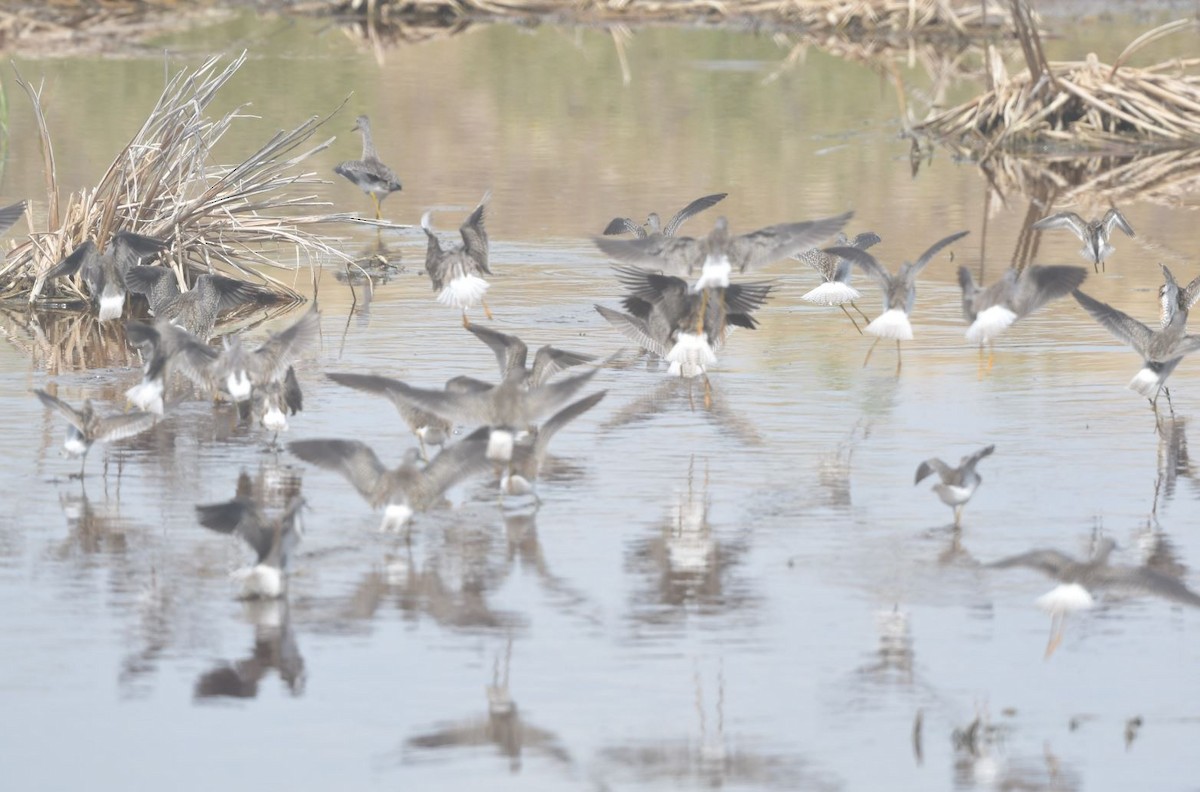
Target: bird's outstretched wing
1119,323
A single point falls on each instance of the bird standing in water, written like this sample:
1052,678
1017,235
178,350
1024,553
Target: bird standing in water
1094,234
87,428
457,273
957,484
369,173
899,291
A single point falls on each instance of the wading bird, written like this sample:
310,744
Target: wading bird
624,225
957,484
369,174
457,273
84,427
899,291
1094,234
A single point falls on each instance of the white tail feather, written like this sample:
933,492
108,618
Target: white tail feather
238,385
1145,382
892,323
500,445
714,274
990,323
691,350
1065,598
832,293
147,396
426,220
274,420
396,516
111,306
464,291
260,581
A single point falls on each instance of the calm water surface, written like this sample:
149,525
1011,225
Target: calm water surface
752,596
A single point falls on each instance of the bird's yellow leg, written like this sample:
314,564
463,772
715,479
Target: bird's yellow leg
851,318
486,311
378,208
869,351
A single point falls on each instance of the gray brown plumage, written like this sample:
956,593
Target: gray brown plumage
429,429
85,427
403,490
104,273
457,272
512,356
1094,234
625,225
369,174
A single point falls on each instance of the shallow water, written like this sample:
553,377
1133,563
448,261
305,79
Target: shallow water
750,596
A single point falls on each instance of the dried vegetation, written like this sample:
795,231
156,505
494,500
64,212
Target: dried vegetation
164,183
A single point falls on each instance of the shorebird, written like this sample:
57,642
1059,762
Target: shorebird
235,371
369,174
273,539
993,309
104,273
457,273
624,225
957,484
158,285
1184,298
663,314
508,408
273,401
429,429
166,348
406,489
85,427
1080,580
197,309
239,371
899,291
1094,234
1161,350
708,262
836,272
512,356
520,475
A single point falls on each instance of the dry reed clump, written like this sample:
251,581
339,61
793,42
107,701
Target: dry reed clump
956,17
163,184
1079,106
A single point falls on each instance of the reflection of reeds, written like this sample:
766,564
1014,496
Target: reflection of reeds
163,184
1170,178
961,18
56,341
1078,106
76,29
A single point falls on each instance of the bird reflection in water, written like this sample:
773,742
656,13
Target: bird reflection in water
892,661
1173,460
502,728
983,760
451,586
689,566
673,392
274,649
715,760
1080,581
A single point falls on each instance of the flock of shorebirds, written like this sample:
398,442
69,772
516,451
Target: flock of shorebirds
682,295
